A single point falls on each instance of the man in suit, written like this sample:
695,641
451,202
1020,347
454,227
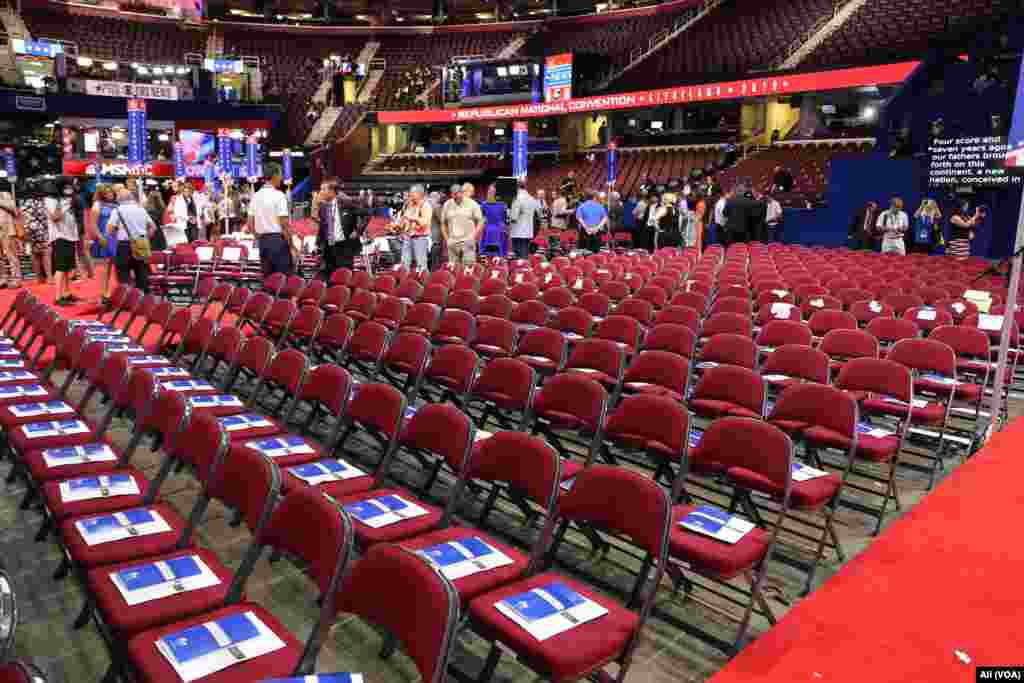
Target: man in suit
338,234
744,216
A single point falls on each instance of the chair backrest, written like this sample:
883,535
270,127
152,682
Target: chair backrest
678,315
643,514
818,405
203,443
257,307
878,376
651,422
890,330
496,305
571,394
287,371
799,361
598,354
200,335
829,319
780,332
849,344
731,323
925,355
380,588
619,328
660,368
328,385
968,342
731,349
256,355
455,365
443,429
732,383
530,312
378,406
748,445
524,462
509,382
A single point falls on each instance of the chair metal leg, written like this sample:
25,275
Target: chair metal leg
83,617
44,529
62,571
493,657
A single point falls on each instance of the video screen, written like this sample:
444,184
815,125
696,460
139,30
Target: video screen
197,146
558,78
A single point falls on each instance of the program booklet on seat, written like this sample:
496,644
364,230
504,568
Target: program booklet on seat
35,409
150,359
802,472
321,471
121,525
548,611
216,401
16,390
234,423
78,455
163,578
102,486
718,524
464,557
319,678
384,511
201,650
37,430
280,446
187,385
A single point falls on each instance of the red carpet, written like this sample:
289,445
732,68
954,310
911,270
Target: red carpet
947,577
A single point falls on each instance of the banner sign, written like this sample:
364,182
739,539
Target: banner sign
140,90
252,157
153,169
224,151
1015,142
612,159
223,66
10,168
286,165
520,135
179,161
558,78
837,79
36,48
137,137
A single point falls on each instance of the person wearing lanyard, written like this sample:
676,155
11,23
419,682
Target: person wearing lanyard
414,225
129,222
338,235
773,218
893,223
268,220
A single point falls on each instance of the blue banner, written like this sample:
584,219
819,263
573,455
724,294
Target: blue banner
136,132
1015,141
10,166
612,158
252,158
520,139
179,160
286,165
224,151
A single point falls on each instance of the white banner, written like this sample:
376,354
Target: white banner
143,90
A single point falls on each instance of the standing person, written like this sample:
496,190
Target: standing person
927,232
893,224
84,262
593,218
716,228
462,222
700,211
413,224
862,227
640,222
63,236
103,243
525,210
773,218
9,243
37,231
962,226
782,180
437,252
131,227
155,207
495,229
744,216
655,220
559,212
268,220
186,213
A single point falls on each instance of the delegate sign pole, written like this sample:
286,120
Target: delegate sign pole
1015,142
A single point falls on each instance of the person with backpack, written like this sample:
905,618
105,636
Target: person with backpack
927,230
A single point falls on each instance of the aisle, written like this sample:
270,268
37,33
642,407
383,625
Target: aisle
942,580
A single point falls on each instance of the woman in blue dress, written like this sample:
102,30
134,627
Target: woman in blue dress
495,235
104,245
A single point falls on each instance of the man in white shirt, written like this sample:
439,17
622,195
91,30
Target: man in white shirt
63,236
559,212
129,222
717,226
268,220
773,219
462,221
893,224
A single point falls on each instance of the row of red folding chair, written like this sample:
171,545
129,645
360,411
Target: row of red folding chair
582,485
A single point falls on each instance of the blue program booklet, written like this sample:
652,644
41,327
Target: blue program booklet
445,554
695,437
136,517
364,510
197,641
532,606
146,575
319,678
718,524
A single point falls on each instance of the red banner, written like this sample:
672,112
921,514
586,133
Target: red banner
153,169
765,86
